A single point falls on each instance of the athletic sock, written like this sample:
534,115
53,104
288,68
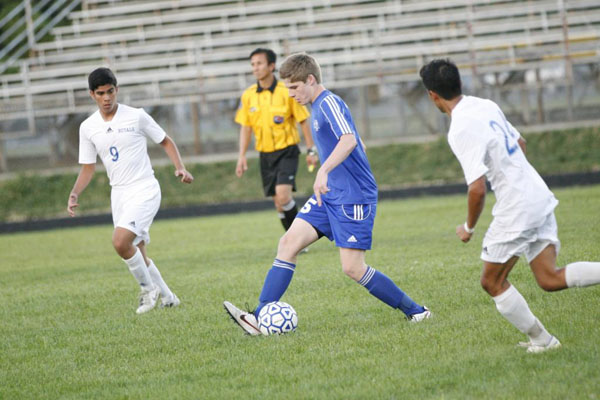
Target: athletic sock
514,308
382,287
290,210
277,281
582,273
165,292
283,220
139,270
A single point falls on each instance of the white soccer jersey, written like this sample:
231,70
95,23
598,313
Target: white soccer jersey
120,143
485,143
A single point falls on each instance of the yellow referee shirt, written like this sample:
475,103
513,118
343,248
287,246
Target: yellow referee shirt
273,116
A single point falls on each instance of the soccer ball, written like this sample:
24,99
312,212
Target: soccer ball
276,318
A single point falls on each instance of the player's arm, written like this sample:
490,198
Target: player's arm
173,152
242,164
342,150
83,179
523,144
311,156
476,202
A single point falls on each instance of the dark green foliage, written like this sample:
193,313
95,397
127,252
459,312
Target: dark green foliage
32,197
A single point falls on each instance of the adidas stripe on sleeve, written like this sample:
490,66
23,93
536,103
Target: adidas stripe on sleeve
336,116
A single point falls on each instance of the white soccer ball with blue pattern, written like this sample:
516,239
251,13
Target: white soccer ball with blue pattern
276,318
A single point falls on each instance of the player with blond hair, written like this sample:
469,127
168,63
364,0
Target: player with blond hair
342,208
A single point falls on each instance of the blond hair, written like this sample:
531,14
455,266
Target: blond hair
298,67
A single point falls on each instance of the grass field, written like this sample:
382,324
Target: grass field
69,328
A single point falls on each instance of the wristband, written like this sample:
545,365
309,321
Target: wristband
468,230
312,151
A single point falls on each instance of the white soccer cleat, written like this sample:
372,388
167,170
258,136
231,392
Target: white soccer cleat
148,300
172,301
246,320
420,316
536,348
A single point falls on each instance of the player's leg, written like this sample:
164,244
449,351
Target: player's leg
542,258
285,204
300,235
123,242
134,209
168,298
544,269
269,171
377,283
582,274
512,305
311,224
286,167
352,227
550,278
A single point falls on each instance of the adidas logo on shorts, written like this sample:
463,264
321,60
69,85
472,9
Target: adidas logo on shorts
352,239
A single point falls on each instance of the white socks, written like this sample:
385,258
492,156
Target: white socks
289,206
582,273
514,308
137,267
165,292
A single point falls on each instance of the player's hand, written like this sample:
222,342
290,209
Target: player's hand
320,185
312,161
462,234
186,177
72,204
241,167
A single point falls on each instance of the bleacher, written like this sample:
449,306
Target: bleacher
177,51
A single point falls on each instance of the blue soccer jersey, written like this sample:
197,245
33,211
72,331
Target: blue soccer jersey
352,181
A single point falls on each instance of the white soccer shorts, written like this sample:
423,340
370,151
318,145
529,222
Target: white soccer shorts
134,207
499,246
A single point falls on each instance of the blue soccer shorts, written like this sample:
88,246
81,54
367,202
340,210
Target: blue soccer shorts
349,225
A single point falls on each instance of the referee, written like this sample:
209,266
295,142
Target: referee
267,110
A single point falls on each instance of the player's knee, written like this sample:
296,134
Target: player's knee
490,285
282,199
551,283
287,245
122,247
352,271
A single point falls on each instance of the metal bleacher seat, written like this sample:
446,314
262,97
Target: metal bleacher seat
170,51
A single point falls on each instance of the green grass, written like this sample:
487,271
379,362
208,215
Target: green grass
34,197
69,328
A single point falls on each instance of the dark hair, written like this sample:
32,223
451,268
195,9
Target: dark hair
270,54
442,77
100,77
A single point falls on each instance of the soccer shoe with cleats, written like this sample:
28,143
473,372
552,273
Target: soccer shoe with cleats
246,320
148,300
536,348
420,316
172,301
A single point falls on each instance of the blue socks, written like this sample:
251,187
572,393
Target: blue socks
277,281
378,284
382,287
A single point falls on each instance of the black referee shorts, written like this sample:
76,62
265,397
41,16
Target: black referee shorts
279,168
